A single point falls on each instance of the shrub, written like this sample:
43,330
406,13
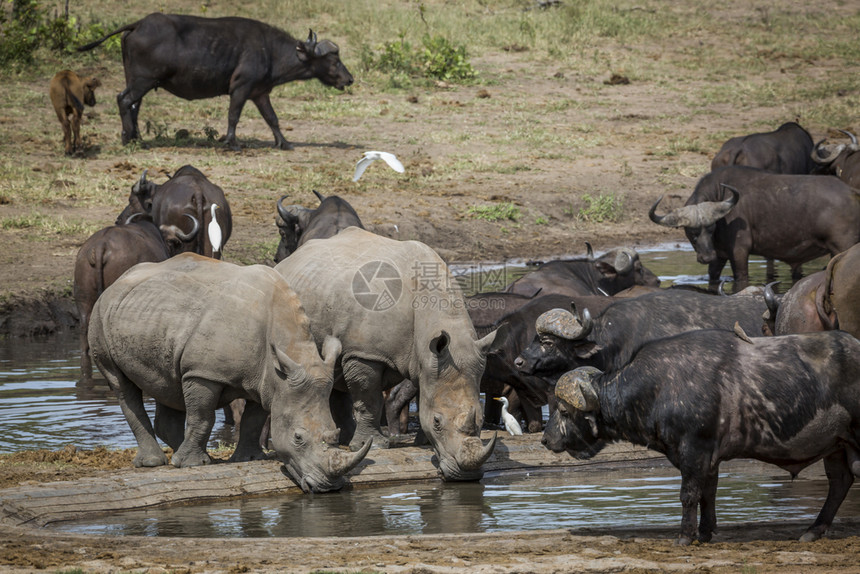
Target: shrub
438,60
601,208
495,212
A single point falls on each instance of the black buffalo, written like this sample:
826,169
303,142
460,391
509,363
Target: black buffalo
563,341
104,256
185,200
841,160
610,273
298,225
707,396
529,392
196,58
784,150
737,211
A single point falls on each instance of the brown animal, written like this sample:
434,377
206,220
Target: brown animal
69,93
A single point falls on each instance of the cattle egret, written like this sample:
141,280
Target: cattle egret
511,423
214,231
372,156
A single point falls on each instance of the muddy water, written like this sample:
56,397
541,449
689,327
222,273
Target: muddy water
577,499
43,406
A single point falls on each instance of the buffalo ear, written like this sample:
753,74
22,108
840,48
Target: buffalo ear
587,349
494,341
302,53
592,422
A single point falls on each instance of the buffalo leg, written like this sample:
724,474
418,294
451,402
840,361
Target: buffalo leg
86,360
169,425
250,430
238,97
264,104
129,101
201,400
740,270
76,131
130,398
840,479
708,506
398,400
364,381
715,268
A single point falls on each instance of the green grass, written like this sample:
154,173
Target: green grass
495,212
602,208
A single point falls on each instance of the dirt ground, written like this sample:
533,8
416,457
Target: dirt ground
633,138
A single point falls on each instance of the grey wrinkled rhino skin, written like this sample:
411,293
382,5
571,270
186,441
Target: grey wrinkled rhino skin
195,333
399,314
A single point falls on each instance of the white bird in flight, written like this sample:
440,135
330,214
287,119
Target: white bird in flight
372,156
511,423
214,231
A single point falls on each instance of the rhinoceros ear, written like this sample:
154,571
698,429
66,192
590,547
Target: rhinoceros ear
331,350
439,343
494,341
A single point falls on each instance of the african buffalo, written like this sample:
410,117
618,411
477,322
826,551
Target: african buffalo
195,58
400,315
610,273
841,160
104,256
707,396
298,224
826,300
784,150
69,93
195,333
564,341
737,211
187,196
532,392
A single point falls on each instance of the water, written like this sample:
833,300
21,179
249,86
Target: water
42,406
546,500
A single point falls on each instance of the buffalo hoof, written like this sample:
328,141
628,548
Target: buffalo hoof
149,460
810,536
250,454
284,145
683,541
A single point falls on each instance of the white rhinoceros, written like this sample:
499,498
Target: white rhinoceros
398,314
195,333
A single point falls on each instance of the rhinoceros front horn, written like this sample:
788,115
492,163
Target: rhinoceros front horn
564,324
341,462
472,454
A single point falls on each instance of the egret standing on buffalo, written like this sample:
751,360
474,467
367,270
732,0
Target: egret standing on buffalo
215,233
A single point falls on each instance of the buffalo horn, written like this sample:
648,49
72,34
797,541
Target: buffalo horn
282,211
853,139
589,252
826,153
138,187
698,215
564,324
320,196
132,217
190,235
576,389
624,261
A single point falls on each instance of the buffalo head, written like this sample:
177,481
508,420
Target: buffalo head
574,426
560,340
699,221
323,60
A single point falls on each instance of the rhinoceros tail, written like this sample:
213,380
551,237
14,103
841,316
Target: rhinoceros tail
92,45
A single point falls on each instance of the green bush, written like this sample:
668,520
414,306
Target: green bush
29,29
601,208
438,60
495,212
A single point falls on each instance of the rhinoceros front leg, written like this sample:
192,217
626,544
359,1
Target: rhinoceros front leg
364,381
250,429
130,399
201,401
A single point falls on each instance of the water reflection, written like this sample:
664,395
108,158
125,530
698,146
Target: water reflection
561,499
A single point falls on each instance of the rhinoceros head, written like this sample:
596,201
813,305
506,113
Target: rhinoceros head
303,432
449,406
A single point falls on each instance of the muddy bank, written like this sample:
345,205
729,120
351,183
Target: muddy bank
30,315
